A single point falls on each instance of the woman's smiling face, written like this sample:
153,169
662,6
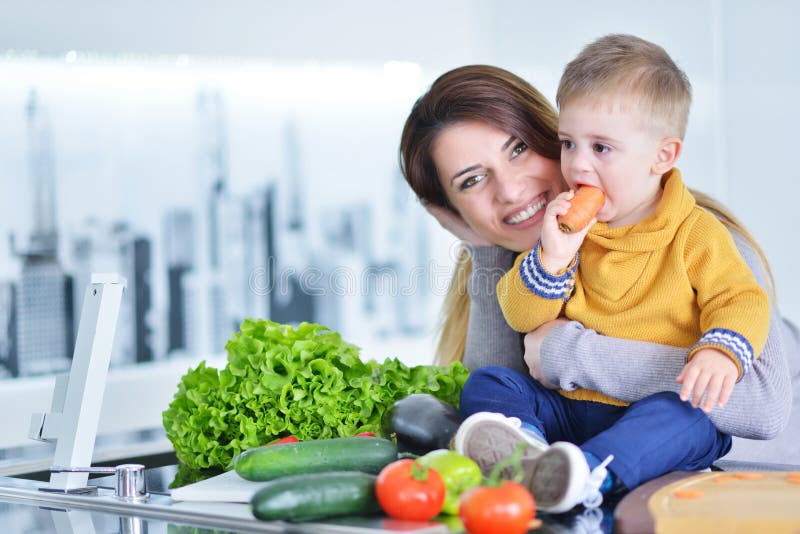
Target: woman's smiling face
497,184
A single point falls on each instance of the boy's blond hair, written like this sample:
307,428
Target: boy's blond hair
639,70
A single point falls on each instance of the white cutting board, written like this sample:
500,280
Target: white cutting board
227,487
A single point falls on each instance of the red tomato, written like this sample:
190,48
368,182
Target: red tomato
287,439
507,509
365,435
407,490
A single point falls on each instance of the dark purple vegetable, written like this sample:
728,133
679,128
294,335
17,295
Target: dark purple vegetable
421,423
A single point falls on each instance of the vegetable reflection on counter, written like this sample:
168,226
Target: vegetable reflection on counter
280,381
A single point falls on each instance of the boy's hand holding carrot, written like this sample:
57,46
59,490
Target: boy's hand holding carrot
710,373
558,246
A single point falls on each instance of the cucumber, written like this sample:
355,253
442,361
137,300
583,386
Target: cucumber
315,496
365,454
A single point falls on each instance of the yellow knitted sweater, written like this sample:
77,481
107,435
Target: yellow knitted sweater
675,278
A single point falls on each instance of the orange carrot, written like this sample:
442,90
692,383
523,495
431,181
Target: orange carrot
586,202
748,476
687,493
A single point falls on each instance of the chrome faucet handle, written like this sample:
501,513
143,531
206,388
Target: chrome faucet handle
90,470
131,483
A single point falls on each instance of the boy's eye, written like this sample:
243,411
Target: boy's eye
471,181
600,148
519,149
566,144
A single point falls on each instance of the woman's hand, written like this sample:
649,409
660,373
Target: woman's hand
453,223
533,351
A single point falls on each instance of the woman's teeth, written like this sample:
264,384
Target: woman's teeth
527,213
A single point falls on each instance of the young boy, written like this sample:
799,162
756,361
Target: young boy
656,267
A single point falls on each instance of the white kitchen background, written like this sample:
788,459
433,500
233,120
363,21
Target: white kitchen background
240,159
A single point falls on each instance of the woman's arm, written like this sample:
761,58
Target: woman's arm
572,356
490,341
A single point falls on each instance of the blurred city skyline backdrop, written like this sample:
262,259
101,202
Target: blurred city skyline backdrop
209,160
203,196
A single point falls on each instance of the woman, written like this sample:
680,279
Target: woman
480,150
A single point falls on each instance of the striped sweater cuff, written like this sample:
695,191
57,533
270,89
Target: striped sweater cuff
732,342
544,284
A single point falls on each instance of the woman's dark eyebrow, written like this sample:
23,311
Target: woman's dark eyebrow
465,171
474,167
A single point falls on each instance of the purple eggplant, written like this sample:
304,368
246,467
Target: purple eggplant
421,423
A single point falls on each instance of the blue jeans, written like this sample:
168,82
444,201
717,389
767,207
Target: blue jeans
649,438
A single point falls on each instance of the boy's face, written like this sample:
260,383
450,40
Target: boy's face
614,148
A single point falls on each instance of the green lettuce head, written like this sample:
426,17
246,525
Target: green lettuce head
281,381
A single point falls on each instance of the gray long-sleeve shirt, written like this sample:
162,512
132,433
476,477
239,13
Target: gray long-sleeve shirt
572,356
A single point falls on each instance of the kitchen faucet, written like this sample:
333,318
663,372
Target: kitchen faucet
78,397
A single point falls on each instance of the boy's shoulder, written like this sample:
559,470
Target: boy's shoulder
697,215
703,229
701,215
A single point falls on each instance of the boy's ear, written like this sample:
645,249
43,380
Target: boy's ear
668,151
